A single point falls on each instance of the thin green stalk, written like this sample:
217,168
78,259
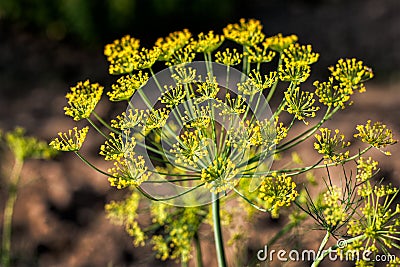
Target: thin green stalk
323,243
199,254
9,211
273,88
105,124
219,243
97,128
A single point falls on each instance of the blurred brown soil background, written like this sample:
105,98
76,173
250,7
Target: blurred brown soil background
59,218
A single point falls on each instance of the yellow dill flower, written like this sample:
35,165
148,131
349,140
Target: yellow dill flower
279,43
378,222
208,89
247,33
207,43
295,71
145,58
173,42
181,57
277,191
130,119
351,73
300,53
220,175
121,53
332,95
82,100
70,141
228,58
256,83
156,118
126,86
330,145
244,135
300,104
183,75
173,96
125,213
24,147
115,147
199,118
377,135
333,207
233,106
259,55
128,171
365,169
190,148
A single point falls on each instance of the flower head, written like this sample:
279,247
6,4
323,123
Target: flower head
259,55
121,54
174,96
351,73
130,119
277,191
331,145
300,53
172,43
220,175
207,43
115,147
294,71
128,171
377,135
332,95
256,83
70,141
279,43
300,104
126,86
333,205
83,99
365,169
247,33
228,58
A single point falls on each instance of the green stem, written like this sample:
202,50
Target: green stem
323,244
272,91
219,243
8,212
199,255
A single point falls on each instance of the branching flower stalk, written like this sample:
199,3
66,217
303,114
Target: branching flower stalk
198,131
22,148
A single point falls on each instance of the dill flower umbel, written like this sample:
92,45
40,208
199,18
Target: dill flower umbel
70,141
331,145
220,175
300,104
377,135
247,33
277,191
228,58
83,99
126,86
279,42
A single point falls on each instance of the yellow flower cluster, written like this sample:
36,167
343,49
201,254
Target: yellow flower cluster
351,73
190,148
70,141
256,83
125,213
377,135
121,54
126,86
247,33
128,171
333,205
228,58
82,100
259,55
365,169
300,104
172,43
156,118
277,191
220,175
207,43
25,147
115,147
331,145
279,42
294,71
173,96
130,119
332,95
